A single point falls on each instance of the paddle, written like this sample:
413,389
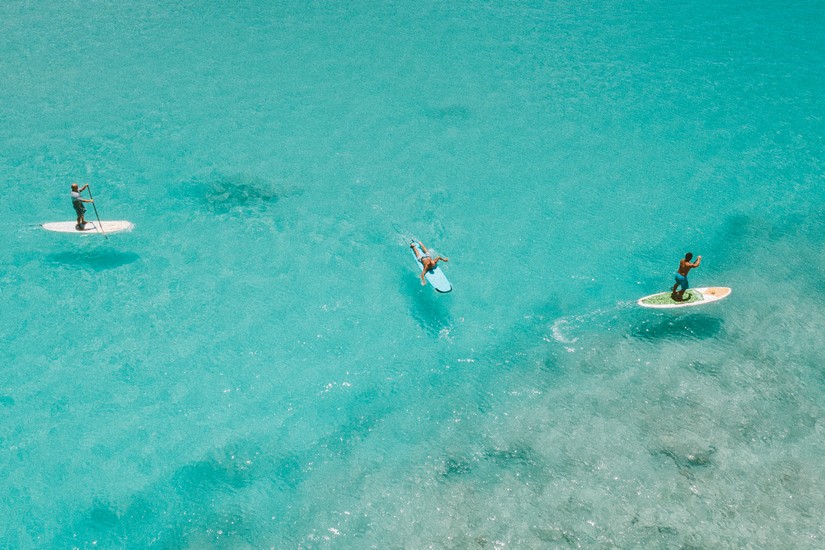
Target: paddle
406,235
99,223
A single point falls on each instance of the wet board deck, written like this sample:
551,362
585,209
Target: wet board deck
92,228
435,276
692,297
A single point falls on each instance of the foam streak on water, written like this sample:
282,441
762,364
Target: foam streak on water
256,364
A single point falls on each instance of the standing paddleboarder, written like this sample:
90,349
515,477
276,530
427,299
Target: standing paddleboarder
77,202
681,276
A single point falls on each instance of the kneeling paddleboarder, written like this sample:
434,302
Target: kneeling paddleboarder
427,261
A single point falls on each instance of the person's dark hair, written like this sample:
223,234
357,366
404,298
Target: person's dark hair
689,256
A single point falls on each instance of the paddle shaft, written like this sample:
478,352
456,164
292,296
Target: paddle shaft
99,223
406,235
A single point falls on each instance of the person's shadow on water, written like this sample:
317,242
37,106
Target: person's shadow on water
99,260
429,308
696,326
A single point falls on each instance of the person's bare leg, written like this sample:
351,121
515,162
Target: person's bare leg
415,251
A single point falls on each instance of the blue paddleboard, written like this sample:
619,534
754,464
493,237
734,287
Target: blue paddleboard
434,276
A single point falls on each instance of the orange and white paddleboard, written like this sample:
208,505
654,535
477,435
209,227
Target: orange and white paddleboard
692,297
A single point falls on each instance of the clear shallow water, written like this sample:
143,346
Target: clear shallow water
256,364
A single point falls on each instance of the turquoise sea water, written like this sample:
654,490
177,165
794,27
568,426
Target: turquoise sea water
256,364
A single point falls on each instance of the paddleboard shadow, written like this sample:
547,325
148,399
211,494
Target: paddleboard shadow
99,260
427,307
694,326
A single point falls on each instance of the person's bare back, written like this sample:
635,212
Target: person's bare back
427,262
685,266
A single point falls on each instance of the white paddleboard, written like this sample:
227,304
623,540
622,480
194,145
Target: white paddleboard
692,297
92,228
434,276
